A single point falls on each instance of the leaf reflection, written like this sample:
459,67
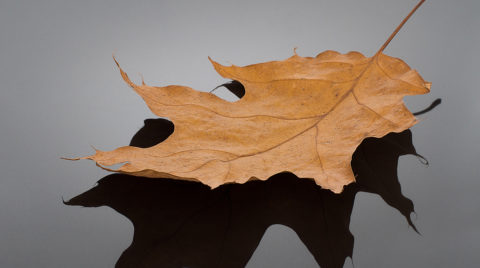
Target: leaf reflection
185,224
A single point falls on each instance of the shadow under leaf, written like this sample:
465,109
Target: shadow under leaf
186,224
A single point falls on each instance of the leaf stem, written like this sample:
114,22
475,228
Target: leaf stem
399,27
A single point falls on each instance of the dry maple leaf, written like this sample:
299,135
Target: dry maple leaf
302,115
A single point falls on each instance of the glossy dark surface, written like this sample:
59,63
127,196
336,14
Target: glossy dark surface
61,92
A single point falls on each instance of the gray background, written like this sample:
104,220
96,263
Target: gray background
60,93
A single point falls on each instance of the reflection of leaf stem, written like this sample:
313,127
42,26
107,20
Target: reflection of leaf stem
434,104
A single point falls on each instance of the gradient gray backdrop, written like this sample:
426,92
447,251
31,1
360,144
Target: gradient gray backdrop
60,92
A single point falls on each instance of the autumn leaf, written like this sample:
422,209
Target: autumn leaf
304,115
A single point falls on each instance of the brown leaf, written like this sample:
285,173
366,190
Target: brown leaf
302,115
